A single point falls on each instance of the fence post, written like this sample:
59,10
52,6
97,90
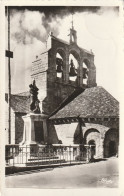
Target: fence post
13,155
70,153
26,153
87,158
22,154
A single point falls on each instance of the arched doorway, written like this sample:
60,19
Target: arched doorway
111,143
92,137
112,148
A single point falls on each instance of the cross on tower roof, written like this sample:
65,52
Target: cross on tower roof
72,21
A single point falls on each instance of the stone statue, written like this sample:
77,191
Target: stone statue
34,105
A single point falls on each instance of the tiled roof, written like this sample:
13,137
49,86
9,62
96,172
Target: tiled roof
19,103
93,102
27,93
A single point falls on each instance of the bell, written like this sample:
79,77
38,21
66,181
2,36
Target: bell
85,73
59,68
59,63
72,72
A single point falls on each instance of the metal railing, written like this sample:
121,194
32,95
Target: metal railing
36,155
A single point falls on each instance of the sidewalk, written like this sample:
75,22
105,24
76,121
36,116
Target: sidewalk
99,174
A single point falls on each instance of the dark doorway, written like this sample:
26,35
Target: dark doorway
112,148
111,143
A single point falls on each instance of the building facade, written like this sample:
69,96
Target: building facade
56,75
78,112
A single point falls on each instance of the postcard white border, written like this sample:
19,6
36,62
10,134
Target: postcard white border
89,192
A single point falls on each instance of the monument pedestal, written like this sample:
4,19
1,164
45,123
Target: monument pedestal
35,129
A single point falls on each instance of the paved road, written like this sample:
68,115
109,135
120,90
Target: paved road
99,174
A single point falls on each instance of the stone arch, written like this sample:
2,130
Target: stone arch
87,62
93,135
111,142
75,53
88,131
85,71
91,142
88,72
62,52
60,62
74,56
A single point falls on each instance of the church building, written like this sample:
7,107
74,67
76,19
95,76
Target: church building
77,110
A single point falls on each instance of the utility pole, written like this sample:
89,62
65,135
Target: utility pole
9,54
9,80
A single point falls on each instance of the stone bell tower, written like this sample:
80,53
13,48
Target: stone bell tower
56,75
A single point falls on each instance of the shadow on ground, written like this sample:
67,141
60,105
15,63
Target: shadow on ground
98,160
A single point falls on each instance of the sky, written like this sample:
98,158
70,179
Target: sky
97,29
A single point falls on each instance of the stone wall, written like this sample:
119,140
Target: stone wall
39,73
67,134
52,134
70,134
19,127
12,125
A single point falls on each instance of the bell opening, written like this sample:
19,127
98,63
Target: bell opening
73,66
59,66
85,71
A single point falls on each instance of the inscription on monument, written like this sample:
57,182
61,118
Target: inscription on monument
38,128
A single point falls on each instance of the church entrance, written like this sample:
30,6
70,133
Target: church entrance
112,148
111,143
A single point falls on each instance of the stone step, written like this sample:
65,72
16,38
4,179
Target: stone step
45,162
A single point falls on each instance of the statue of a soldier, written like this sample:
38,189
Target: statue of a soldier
34,105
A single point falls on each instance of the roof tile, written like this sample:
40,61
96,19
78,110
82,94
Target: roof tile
19,103
93,102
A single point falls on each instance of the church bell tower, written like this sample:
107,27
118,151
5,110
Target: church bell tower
59,77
